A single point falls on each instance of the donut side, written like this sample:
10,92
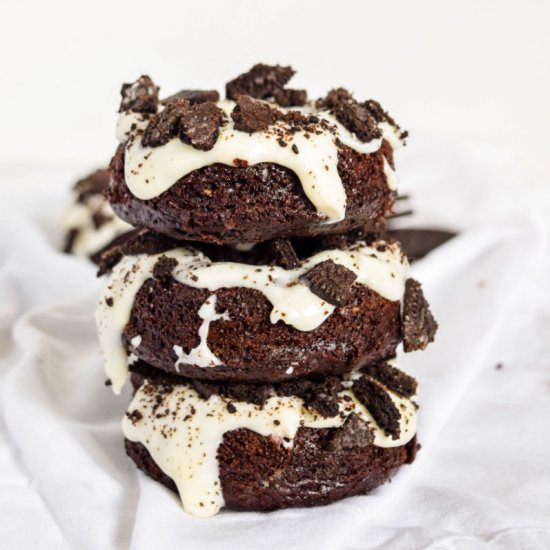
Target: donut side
235,204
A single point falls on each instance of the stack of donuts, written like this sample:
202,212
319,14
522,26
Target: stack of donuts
257,306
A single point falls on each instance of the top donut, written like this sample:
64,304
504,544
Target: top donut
264,163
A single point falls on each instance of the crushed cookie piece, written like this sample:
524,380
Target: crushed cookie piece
141,96
330,281
391,377
260,82
418,325
378,402
251,115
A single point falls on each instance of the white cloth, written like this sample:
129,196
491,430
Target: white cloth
481,479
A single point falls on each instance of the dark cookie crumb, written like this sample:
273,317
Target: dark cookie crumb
204,389
134,416
330,281
99,219
300,387
325,401
418,324
354,433
199,125
379,404
135,241
356,117
194,96
70,239
108,382
165,125
109,301
260,82
284,254
93,184
164,267
251,115
255,394
394,379
141,96
231,408
290,98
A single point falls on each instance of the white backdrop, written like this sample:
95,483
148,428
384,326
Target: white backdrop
475,69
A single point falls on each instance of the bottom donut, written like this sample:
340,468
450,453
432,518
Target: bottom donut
293,444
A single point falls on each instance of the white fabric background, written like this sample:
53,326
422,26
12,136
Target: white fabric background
481,479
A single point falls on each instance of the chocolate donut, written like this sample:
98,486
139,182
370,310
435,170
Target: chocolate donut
292,448
250,169
187,314
88,221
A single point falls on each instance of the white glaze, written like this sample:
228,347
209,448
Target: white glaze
202,356
293,302
149,171
391,134
135,341
183,433
391,176
79,215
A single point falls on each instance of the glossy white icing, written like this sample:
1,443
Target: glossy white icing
202,356
313,157
80,216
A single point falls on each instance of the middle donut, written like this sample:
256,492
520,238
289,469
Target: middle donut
199,314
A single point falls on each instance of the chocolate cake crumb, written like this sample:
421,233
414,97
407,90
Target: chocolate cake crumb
290,98
108,382
193,96
394,379
295,148
109,301
284,254
355,433
200,125
141,96
251,115
231,408
379,404
260,82
330,281
418,325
